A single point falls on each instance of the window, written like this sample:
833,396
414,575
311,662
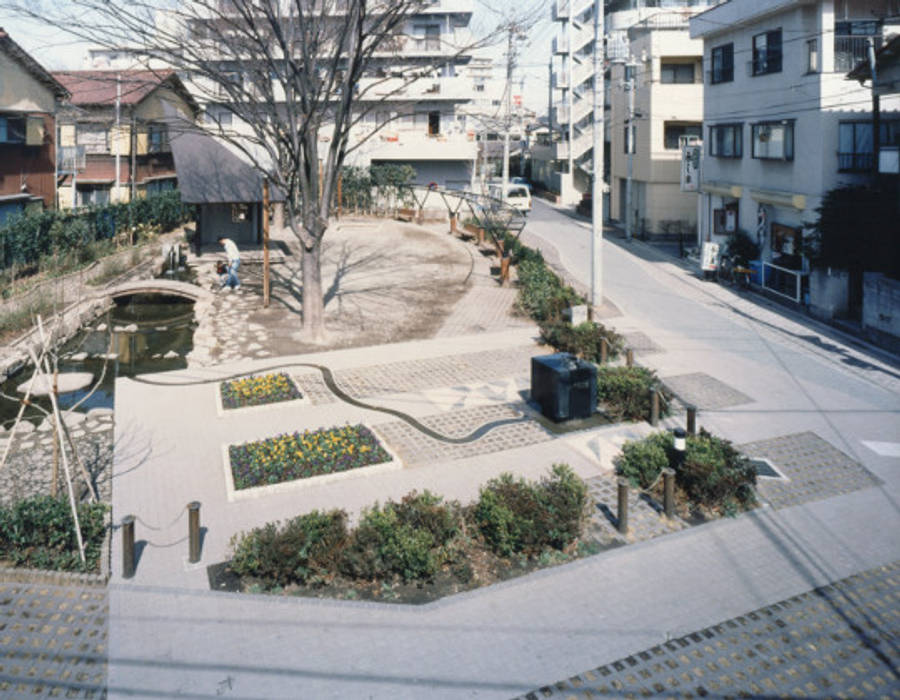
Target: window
773,140
428,37
94,138
12,130
673,131
855,148
158,138
231,81
725,220
812,56
851,42
767,53
434,123
239,213
722,64
157,186
677,73
217,115
726,140
93,196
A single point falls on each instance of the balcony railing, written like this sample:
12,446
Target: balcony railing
70,158
851,50
851,162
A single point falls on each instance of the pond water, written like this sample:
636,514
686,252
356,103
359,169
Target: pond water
141,334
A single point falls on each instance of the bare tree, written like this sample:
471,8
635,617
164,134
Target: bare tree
297,76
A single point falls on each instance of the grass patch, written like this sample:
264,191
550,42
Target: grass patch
258,390
302,455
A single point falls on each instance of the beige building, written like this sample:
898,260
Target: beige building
667,72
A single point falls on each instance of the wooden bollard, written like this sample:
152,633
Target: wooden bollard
128,546
669,492
453,223
629,357
480,236
691,420
504,270
193,532
604,350
623,506
654,407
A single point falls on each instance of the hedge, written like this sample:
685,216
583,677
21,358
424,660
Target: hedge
27,237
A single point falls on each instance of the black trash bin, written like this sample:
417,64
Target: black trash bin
564,386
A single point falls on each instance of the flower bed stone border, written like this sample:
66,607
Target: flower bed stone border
235,494
221,411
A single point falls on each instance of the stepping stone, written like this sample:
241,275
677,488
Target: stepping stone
78,357
66,382
101,412
25,427
101,327
74,419
171,355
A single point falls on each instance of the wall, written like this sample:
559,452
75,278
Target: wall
215,221
881,310
31,169
828,293
20,92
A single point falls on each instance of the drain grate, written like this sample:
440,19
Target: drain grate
766,469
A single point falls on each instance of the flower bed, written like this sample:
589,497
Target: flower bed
303,455
258,390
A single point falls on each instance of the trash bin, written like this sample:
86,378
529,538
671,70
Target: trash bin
564,386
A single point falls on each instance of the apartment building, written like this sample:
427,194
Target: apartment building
664,70
783,126
94,140
30,99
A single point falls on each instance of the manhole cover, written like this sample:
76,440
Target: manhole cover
766,469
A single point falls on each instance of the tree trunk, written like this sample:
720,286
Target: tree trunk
313,303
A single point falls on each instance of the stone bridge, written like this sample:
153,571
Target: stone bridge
160,286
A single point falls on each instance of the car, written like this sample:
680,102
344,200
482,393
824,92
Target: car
517,196
520,181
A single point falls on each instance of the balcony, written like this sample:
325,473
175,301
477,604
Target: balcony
560,10
408,144
70,158
856,162
852,50
452,88
560,45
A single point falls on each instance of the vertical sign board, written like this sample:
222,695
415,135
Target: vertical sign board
709,257
690,167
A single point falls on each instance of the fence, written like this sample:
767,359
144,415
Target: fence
783,281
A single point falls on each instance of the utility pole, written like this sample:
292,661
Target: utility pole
510,62
118,135
597,190
630,69
876,107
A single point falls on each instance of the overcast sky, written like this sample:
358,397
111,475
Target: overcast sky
58,50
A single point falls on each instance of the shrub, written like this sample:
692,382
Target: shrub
625,391
515,516
642,461
584,340
542,294
408,539
39,532
715,474
304,550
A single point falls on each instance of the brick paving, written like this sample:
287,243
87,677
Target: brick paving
839,640
705,392
53,641
419,375
814,468
645,517
415,447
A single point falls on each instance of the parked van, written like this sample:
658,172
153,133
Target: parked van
517,196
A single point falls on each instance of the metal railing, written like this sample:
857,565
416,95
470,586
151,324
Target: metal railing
856,161
783,281
851,50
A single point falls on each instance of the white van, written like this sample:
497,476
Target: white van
517,196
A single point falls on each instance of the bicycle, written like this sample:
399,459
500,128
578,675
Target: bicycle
731,270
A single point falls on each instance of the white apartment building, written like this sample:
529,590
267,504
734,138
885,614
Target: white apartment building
666,68
783,126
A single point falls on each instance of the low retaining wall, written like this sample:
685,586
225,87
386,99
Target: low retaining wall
881,310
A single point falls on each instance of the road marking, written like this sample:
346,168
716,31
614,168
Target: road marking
885,449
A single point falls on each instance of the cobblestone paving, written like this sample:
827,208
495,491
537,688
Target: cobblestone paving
645,516
414,447
814,468
418,375
705,392
641,343
836,641
28,470
52,641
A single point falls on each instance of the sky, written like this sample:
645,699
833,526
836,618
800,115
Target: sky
59,50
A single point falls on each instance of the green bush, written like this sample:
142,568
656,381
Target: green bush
542,295
517,516
584,340
625,391
407,539
715,474
740,246
39,532
304,550
642,461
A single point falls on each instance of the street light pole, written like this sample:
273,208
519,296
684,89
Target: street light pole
630,69
597,190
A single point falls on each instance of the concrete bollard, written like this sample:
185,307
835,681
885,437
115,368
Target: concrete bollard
623,506
604,351
669,492
654,407
629,358
193,532
691,420
128,546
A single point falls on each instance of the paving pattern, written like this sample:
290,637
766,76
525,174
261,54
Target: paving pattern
645,516
815,470
415,447
705,392
420,375
839,640
641,343
28,471
53,641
